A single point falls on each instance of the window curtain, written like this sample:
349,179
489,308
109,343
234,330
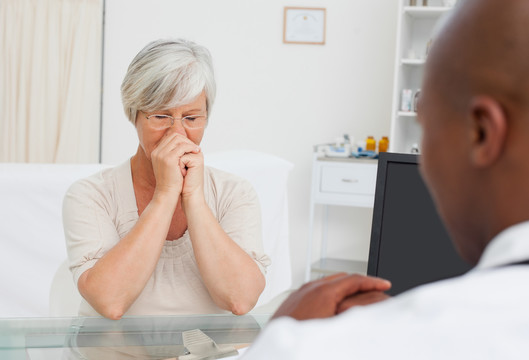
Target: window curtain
50,80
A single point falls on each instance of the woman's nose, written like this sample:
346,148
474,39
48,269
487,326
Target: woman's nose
177,128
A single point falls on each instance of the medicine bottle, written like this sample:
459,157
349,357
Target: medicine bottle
416,99
371,144
383,144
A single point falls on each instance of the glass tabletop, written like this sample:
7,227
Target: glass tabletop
141,337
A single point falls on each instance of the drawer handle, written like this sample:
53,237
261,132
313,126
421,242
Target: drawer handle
350,181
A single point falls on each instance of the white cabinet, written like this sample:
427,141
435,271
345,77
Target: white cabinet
344,182
415,28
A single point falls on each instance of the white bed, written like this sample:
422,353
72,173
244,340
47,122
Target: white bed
32,241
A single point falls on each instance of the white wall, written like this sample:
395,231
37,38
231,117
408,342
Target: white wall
272,97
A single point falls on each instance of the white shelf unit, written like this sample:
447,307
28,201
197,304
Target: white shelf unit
338,182
415,28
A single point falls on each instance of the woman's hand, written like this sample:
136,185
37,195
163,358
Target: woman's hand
192,165
173,159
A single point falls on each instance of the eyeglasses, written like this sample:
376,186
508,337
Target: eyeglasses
161,122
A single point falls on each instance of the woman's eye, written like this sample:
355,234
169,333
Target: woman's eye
161,117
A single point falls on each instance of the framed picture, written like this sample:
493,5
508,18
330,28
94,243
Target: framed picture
304,25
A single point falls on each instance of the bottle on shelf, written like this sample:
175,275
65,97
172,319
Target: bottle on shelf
416,99
418,2
383,144
371,144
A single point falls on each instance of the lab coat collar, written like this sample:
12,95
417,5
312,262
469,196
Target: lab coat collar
509,246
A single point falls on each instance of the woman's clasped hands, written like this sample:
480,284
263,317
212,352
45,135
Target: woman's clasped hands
178,166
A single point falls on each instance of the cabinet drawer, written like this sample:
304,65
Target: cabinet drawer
353,179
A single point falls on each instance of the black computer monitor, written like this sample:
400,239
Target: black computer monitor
409,243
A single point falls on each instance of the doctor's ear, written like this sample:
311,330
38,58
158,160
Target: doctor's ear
488,130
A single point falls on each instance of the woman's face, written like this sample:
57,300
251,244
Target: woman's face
149,136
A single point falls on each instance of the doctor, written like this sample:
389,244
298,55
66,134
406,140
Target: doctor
474,112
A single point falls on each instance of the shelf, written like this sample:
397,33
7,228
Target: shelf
416,27
329,266
407,114
426,12
359,160
413,62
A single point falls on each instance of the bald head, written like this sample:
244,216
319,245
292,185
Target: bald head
474,111
484,48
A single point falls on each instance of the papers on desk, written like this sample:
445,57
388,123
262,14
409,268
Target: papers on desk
241,352
234,357
202,347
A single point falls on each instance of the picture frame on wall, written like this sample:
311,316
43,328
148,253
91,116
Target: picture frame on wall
304,25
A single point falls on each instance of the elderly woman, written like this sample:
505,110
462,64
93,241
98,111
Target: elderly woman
161,233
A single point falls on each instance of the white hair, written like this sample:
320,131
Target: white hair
167,73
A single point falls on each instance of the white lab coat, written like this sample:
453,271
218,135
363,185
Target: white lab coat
483,314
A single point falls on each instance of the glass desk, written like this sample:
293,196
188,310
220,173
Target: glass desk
142,337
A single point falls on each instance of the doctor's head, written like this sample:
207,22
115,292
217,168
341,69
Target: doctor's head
474,112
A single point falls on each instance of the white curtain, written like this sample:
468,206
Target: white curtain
50,80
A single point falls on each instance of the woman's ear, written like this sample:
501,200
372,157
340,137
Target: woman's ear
488,126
